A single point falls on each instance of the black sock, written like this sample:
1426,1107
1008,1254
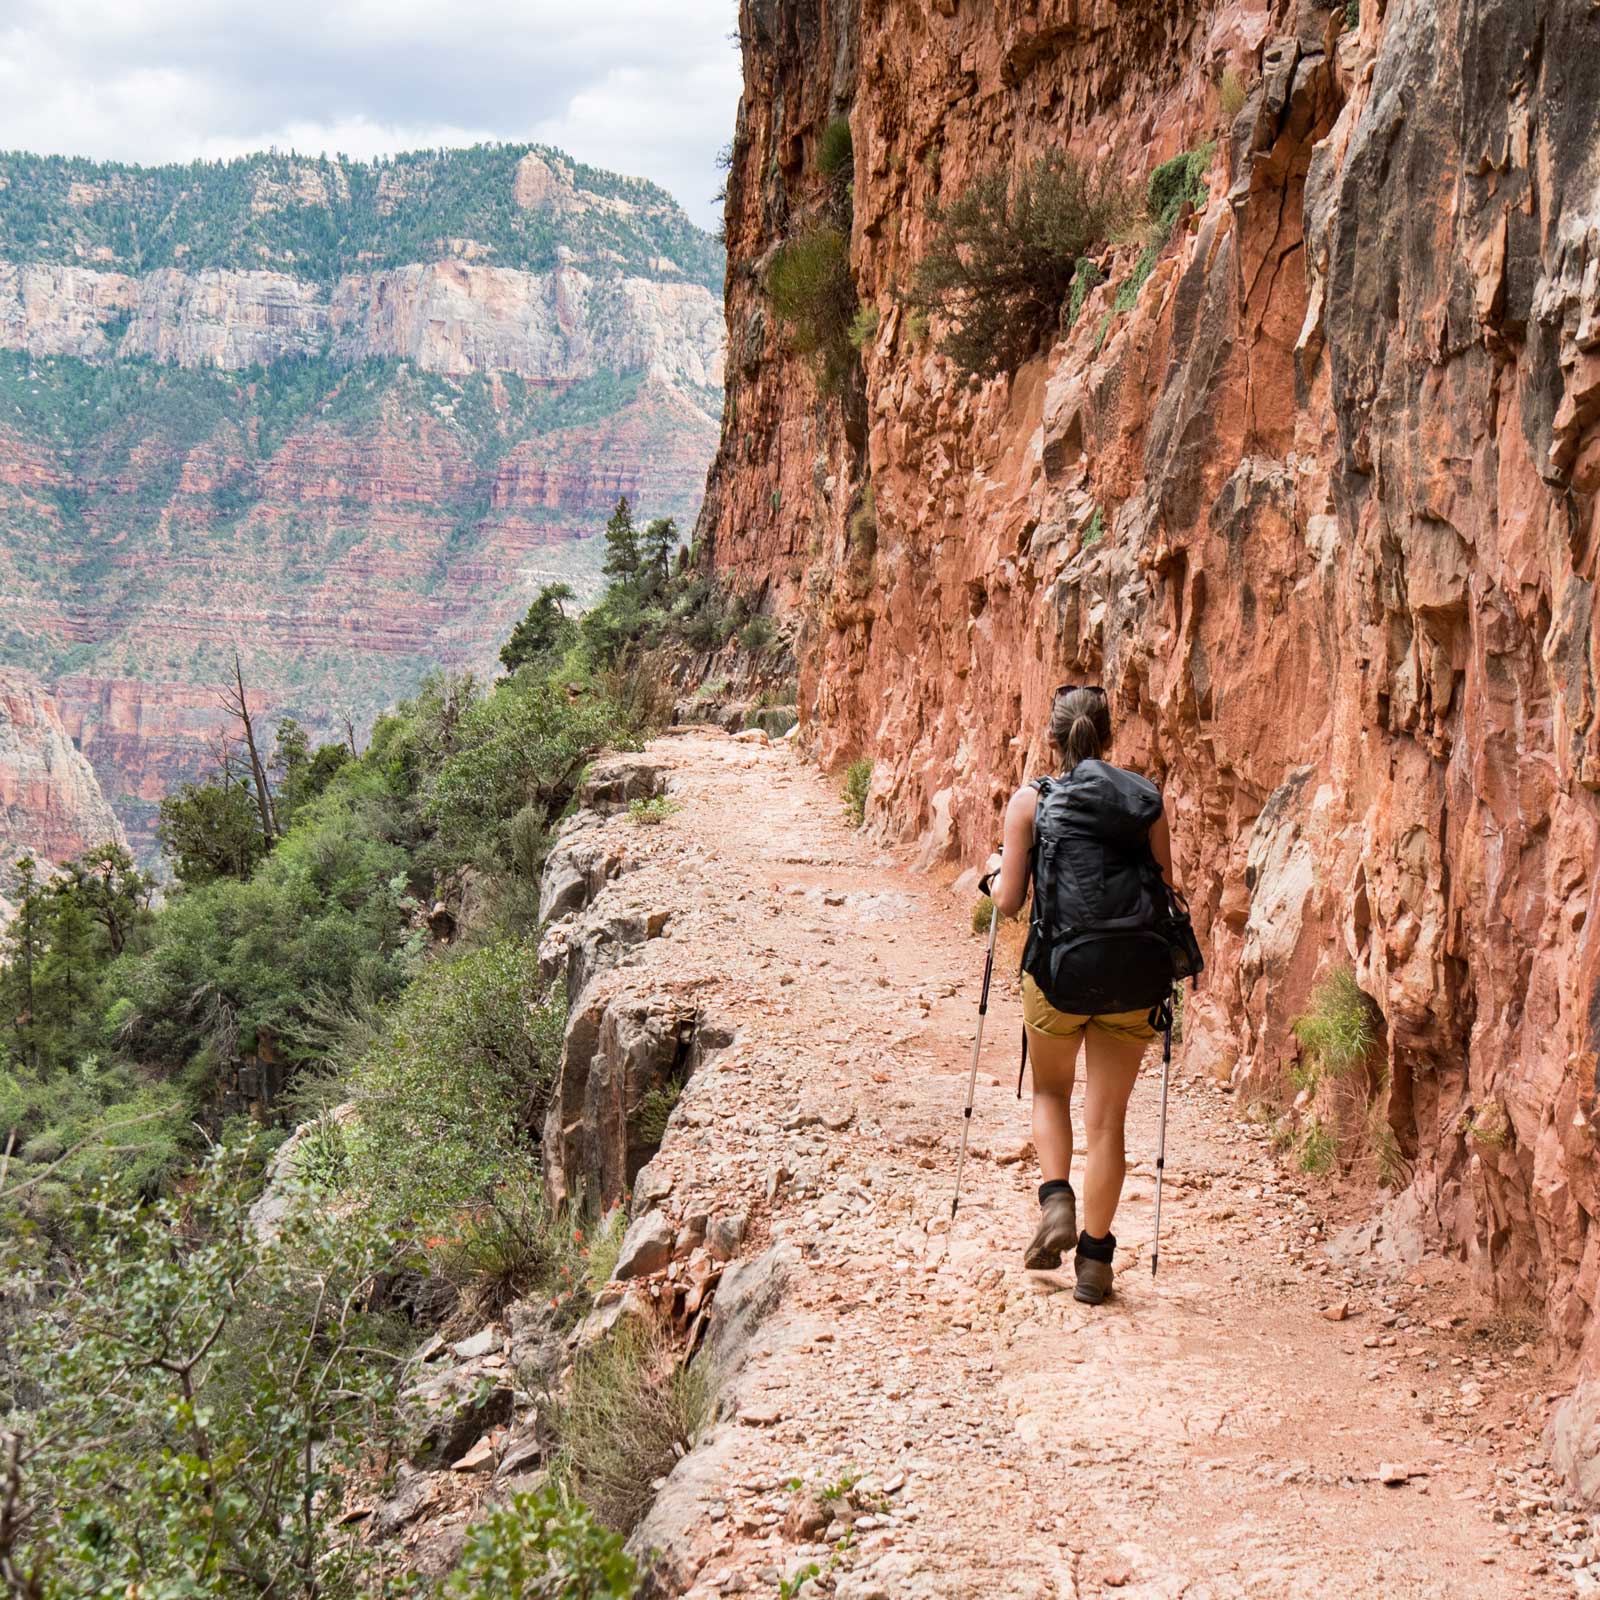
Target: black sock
1093,1249
1054,1186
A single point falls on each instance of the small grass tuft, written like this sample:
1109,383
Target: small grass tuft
655,1110
653,812
1317,1153
1337,1026
857,781
836,151
1095,530
628,1414
864,326
1086,278
982,914
1230,93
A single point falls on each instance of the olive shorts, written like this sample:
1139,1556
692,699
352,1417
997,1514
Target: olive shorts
1042,1017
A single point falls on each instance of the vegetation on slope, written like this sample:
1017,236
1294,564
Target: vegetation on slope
319,218
185,1399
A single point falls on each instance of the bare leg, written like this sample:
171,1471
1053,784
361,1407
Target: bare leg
1054,1063
1112,1067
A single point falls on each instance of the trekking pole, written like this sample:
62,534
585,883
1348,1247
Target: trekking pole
1161,1137
984,886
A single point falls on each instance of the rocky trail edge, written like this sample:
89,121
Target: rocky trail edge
903,1410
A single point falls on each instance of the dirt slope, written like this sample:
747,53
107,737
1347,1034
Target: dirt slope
1208,1434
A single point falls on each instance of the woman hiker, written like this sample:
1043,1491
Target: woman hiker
1091,841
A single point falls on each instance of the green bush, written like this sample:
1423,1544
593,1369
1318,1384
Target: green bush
450,1102
1337,1025
863,326
810,287
178,1383
541,1546
1086,277
758,634
983,914
1095,530
654,811
1002,257
857,781
512,1246
1178,182
629,1411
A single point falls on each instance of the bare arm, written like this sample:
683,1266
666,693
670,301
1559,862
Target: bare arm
1161,849
1012,888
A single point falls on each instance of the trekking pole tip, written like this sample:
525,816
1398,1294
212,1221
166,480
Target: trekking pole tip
1155,1260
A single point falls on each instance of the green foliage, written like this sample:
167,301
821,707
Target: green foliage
655,1110
1127,295
541,1546
212,830
1002,256
863,326
628,1412
1095,530
197,1395
1176,183
544,633
836,151
450,1101
757,635
654,811
1317,1153
1086,277
605,1248
622,545
320,1161
982,914
1337,1026
510,1246
857,781
318,218
811,289
523,744
1352,14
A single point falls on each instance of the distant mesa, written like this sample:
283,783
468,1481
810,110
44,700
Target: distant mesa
346,415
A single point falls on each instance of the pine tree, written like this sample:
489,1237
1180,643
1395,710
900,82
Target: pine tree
656,551
622,545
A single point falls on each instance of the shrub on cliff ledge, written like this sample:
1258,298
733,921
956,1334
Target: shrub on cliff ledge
810,288
1000,264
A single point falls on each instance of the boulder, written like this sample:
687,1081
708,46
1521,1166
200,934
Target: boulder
611,784
646,1247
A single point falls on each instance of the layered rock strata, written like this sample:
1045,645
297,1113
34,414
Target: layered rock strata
51,807
1315,500
261,427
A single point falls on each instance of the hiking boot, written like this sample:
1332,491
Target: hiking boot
1057,1234
1094,1281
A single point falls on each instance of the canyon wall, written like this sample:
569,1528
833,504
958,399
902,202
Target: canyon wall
51,807
1315,499
343,418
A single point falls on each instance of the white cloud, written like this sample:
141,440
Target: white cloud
645,87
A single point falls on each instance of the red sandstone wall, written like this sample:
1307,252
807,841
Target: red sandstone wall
1345,451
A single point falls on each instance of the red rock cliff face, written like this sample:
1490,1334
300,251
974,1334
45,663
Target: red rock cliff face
1343,452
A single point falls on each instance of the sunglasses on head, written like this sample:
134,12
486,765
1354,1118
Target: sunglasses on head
1088,688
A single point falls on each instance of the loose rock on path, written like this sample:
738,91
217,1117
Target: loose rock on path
918,1416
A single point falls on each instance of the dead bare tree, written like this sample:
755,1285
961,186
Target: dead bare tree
236,702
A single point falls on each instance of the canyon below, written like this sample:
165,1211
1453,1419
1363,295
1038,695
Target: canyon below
273,406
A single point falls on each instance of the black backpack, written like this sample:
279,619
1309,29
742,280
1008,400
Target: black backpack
1106,932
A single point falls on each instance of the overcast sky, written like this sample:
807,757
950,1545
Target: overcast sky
645,87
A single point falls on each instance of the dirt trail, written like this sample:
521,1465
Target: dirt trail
1208,1434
